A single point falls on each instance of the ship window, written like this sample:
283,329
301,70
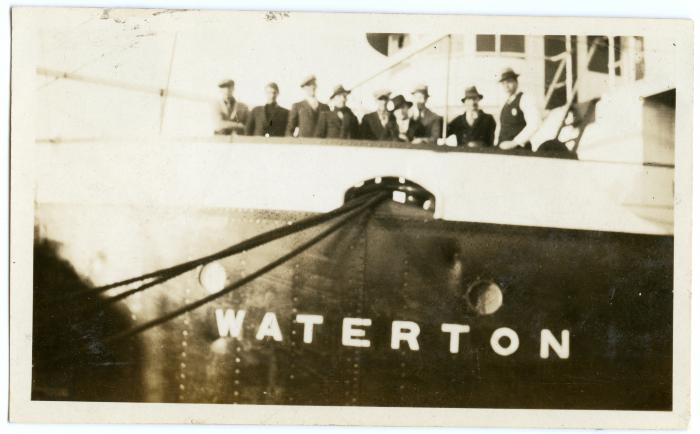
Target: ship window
486,43
500,44
638,57
513,43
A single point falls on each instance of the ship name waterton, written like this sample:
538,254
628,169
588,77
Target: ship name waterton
504,341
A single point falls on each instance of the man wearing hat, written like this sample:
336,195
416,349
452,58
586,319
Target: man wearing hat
380,124
305,114
340,122
232,115
409,128
431,123
519,118
473,128
269,120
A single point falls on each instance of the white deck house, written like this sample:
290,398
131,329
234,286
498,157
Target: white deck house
629,75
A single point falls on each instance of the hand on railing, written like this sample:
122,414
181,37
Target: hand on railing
449,141
508,144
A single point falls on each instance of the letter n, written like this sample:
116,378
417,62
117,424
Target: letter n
548,340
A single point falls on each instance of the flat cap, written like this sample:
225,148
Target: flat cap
227,83
338,90
310,79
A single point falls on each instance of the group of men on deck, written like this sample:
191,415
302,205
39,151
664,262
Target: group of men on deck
395,118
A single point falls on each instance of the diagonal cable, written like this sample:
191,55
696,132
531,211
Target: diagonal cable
371,203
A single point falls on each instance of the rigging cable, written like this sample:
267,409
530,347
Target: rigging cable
168,273
369,204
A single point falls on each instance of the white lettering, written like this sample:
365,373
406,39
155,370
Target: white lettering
547,340
505,332
351,335
404,331
309,321
454,330
230,323
269,327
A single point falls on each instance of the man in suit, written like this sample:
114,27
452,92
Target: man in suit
340,122
305,114
519,118
380,124
431,122
473,128
232,115
269,120
408,127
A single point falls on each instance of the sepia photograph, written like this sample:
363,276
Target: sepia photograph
345,218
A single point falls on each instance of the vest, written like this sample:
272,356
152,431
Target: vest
512,119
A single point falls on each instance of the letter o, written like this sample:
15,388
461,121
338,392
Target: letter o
505,332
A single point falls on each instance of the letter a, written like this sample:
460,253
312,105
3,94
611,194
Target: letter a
269,327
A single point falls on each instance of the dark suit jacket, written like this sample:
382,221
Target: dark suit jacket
482,132
303,116
432,125
259,125
372,129
330,124
415,129
231,117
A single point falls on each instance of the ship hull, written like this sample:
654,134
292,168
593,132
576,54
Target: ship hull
610,292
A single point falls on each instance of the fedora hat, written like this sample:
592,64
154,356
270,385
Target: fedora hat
421,88
472,93
338,90
508,74
382,94
398,101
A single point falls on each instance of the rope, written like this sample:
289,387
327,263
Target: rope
371,203
168,273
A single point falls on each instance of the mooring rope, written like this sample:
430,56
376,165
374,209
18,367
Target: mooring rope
165,274
368,204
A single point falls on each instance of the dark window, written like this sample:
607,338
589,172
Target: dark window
486,43
400,40
639,58
555,45
512,43
599,60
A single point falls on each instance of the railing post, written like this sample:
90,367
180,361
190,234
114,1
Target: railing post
611,60
569,69
447,86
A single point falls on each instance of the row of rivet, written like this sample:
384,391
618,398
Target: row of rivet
182,371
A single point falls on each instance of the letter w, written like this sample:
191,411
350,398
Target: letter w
230,323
